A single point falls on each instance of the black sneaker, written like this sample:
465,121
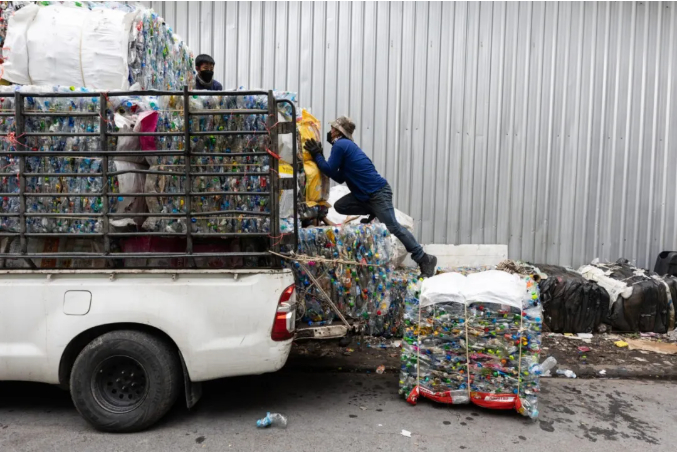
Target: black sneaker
428,265
368,220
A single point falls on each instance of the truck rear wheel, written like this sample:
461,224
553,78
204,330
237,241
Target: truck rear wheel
125,381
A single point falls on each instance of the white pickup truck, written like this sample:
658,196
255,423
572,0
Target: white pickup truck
128,339
129,343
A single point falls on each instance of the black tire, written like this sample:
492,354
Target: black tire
125,381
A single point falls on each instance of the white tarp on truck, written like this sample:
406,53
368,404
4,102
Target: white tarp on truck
64,45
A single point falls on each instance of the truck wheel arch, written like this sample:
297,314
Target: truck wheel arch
79,342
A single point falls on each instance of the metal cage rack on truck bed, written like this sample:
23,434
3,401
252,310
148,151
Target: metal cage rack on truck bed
18,150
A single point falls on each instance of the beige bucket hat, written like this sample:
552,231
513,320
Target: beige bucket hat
344,125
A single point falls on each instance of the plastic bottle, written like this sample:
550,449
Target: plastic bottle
541,369
567,373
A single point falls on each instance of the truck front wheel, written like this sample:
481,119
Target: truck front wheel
125,381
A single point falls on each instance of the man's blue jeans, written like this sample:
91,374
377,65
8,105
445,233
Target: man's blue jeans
380,205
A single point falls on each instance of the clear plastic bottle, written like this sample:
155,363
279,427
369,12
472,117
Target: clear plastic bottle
544,367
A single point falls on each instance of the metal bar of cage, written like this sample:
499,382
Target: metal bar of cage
103,134
295,168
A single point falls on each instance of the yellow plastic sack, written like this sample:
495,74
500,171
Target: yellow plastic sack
317,184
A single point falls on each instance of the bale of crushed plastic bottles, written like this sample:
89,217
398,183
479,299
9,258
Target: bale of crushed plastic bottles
572,304
473,339
640,300
355,267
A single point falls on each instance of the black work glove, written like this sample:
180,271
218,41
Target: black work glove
314,148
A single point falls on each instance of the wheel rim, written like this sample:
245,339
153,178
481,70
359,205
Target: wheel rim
120,384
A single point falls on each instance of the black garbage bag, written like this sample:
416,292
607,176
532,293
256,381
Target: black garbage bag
572,304
647,306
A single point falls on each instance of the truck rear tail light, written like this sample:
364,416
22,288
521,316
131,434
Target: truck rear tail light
283,325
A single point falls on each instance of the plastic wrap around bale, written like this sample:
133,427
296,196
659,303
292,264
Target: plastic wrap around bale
103,45
473,339
572,304
640,301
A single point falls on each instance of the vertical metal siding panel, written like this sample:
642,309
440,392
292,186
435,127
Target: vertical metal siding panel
356,75
626,139
496,75
158,7
219,46
243,45
649,135
292,51
672,143
181,25
318,39
393,100
535,117
419,116
283,27
307,69
344,59
565,21
518,197
381,112
329,95
598,240
468,134
581,218
366,125
206,27
404,126
609,249
432,103
498,120
644,11
574,146
442,146
482,123
268,47
169,13
230,80
507,125
653,137
255,40
544,236
193,31
668,129
456,124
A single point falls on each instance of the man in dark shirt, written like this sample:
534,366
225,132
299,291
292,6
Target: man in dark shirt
370,193
204,66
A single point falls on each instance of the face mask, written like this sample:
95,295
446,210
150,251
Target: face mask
206,76
329,138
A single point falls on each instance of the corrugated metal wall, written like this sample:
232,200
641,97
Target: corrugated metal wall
547,126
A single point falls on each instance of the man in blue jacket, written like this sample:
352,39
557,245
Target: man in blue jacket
370,193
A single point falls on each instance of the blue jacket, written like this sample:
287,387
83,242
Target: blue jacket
348,163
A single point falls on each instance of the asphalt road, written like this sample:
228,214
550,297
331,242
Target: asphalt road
356,412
